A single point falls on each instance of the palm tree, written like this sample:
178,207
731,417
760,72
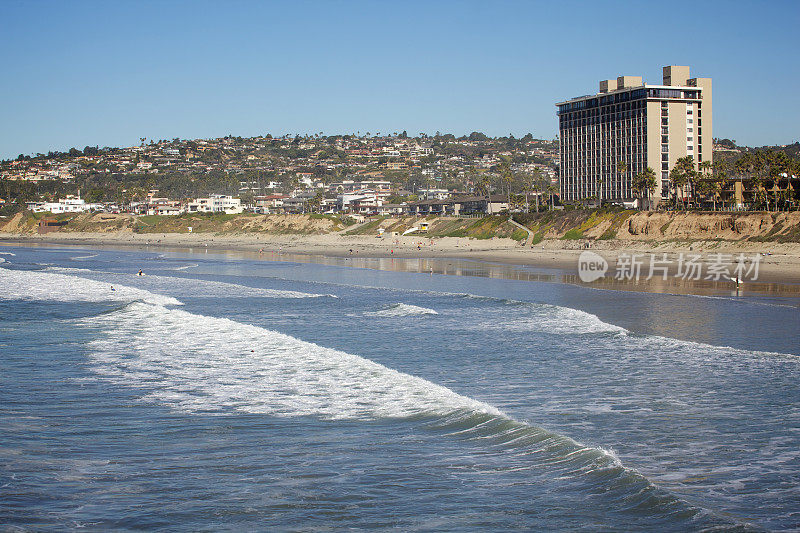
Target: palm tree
681,173
622,169
551,192
644,183
705,184
600,181
715,187
483,188
760,194
709,187
506,176
316,202
705,168
720,172
531,182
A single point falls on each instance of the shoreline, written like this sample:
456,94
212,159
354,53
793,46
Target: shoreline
549,260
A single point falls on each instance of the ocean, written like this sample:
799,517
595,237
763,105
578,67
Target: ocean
227,391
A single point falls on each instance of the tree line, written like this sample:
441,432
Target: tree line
765,179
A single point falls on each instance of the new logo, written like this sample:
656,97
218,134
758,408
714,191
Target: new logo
591,266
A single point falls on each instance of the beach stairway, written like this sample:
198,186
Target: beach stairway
347,229
529,240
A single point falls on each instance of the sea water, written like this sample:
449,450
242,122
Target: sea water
222,392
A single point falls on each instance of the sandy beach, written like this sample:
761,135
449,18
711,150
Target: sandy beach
550,260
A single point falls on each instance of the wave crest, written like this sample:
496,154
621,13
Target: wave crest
546,318
49,286
401,309
200,364
198,288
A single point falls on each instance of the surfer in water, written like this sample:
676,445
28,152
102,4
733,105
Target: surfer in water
140,273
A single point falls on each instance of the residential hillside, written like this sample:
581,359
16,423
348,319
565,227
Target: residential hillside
599,224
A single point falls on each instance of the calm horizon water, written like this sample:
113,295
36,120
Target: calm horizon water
224,392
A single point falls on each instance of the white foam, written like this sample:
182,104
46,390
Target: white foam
657,343
185,267
195,363
199,364
49,286
401,309
198,288
83,257
547,318
7,253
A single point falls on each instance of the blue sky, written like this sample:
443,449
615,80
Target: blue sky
106,73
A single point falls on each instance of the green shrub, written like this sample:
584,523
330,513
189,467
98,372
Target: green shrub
573,235
519,235
609,234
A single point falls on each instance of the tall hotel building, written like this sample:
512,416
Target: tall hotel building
639,124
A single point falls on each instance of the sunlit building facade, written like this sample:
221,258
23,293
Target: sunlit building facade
640,125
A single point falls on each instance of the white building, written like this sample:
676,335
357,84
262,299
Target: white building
165,210
433,194
164,206
67,205
380,188
363,201
216,203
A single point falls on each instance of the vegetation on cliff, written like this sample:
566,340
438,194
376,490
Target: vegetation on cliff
578,224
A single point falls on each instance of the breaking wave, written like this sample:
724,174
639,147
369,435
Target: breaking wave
48,286
178,286
185,267
545,318
401,309
197,364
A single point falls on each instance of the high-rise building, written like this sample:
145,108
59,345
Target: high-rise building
640,125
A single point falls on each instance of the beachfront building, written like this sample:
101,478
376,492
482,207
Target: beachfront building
456,206
216,203
609,137
382,189
70,204
163,206
364,201
272,203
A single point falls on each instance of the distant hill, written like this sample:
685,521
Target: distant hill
729,150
